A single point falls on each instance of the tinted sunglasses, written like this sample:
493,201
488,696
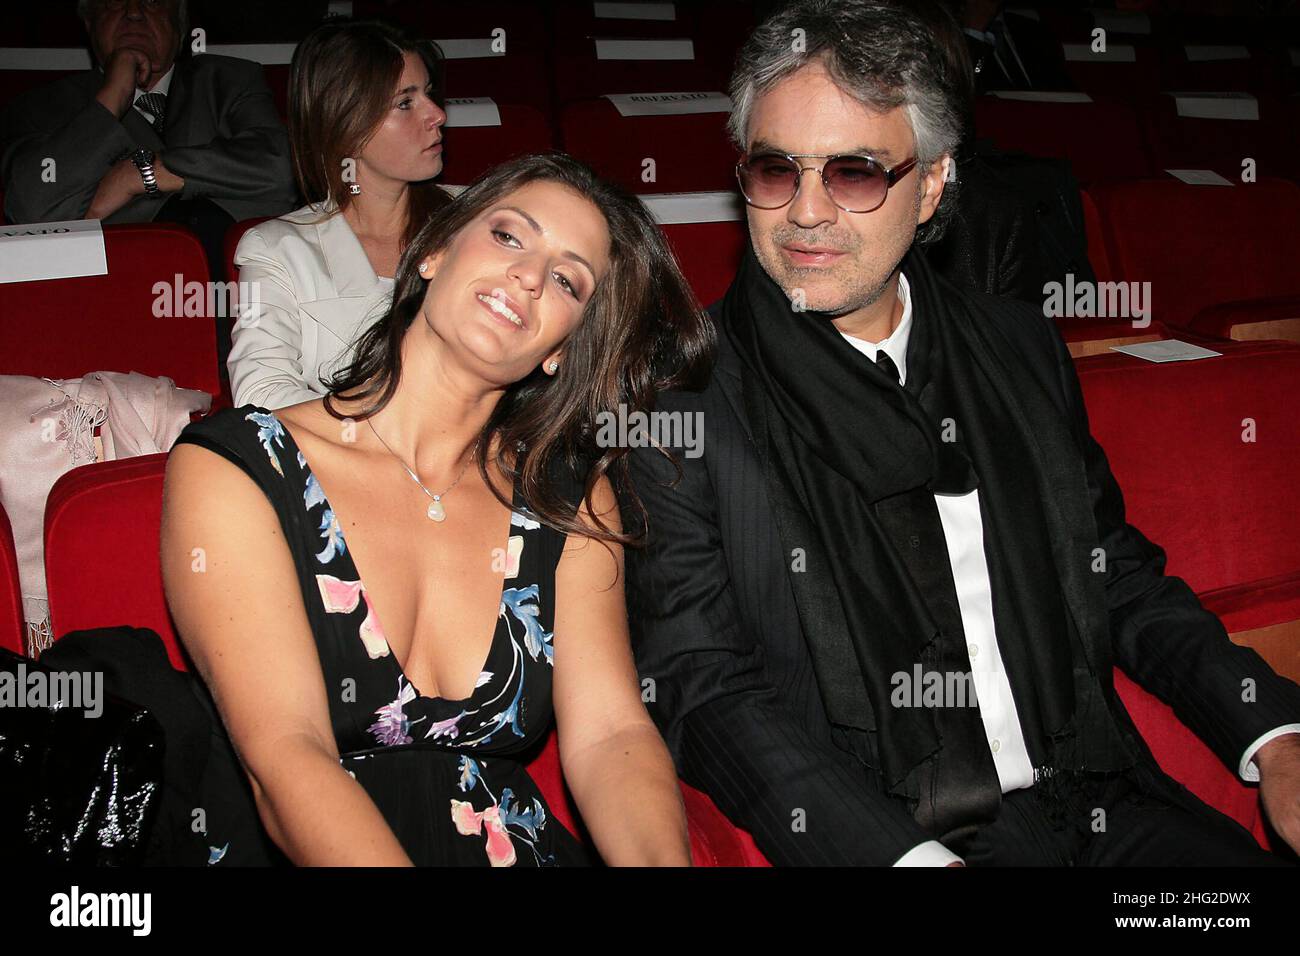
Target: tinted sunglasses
854,183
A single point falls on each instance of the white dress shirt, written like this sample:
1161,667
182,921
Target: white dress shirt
163,86
963,532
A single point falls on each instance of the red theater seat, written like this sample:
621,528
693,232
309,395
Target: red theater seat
1199,246
12,628
469,151
64,328
690,151
669,65
108,508
115,508
1101,139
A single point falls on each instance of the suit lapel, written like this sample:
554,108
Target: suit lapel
179,119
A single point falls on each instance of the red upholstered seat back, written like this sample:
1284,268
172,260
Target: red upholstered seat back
1223,508
64,328
472,150
709,254
690,150
1101,139
102,524
11,595
1201,245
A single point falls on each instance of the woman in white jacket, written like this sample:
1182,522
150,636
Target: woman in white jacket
365,122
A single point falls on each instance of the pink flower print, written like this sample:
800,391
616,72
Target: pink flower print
514,550
471,822
340,597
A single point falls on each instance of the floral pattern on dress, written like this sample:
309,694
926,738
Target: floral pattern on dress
493,822
269,430
493,719
341,597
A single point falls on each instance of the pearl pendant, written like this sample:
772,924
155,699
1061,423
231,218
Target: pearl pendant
436,511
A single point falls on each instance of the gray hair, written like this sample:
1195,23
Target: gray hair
181,9
884,54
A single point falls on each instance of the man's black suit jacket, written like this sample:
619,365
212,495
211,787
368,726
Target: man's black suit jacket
716,628
220,134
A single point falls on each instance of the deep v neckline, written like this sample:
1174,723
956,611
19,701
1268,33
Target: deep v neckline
348,555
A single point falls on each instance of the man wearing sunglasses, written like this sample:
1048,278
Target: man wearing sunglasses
880,613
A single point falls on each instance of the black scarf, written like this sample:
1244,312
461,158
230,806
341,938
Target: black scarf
863,457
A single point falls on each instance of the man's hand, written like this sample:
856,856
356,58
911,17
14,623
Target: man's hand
120,185
126,69
1279,785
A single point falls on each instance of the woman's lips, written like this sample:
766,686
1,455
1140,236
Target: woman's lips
501,319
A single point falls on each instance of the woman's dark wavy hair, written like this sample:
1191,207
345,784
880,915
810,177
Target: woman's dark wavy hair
642,331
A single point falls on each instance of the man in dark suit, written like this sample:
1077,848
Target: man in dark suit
145,136
877,617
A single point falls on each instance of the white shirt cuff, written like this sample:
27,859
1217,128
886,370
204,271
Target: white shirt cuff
1248,771
929,853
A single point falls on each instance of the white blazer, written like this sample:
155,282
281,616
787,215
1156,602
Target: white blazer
316,294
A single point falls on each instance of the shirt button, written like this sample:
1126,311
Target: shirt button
996,745
972,649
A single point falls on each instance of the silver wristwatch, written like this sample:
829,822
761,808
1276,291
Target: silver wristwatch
143,160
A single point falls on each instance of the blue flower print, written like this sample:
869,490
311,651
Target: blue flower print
536,638
268,429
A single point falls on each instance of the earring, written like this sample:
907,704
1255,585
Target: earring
355,189
423,268
552,367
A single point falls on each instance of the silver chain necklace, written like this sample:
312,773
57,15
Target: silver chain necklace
436,510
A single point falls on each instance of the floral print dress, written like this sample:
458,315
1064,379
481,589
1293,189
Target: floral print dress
448,775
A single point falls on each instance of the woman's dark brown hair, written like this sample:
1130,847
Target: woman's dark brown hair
642,331
341,84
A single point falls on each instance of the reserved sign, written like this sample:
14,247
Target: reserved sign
52,250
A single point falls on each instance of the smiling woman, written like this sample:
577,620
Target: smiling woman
387,631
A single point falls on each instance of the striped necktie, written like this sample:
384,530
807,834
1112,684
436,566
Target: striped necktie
155,104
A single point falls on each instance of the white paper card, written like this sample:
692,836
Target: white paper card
268,54
1165,350
1121,21
1199,177
1201,53
465,111
1115,53
667,104
634,11
644,49
1230,106
471,48
670,208
52,250
44,58
1042,96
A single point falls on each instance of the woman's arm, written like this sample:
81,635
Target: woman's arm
266,348
234,595
614,761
